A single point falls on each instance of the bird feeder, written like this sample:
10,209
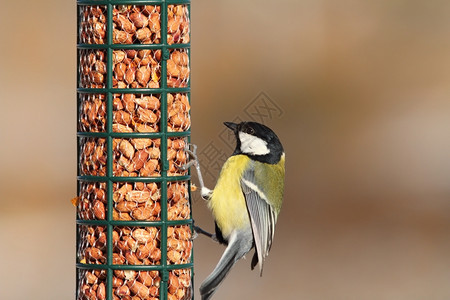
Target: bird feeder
134,220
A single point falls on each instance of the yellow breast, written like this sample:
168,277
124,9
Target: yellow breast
227,202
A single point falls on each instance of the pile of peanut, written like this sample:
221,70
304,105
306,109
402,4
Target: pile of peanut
178,24
92,201
133,68
136,68
133,201
92,24
178,108
92,113
134,157
134,285
134,113
134,24
142,68
134,246
92,68
92,156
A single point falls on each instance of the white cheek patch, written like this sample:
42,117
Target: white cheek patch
253,145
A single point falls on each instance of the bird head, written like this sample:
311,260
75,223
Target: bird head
257,141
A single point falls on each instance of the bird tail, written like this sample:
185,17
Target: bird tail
255,261
235,250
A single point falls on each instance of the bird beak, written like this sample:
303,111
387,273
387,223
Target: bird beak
231,125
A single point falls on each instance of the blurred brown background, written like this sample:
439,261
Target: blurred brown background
365,91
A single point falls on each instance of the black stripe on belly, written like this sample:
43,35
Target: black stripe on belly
219,235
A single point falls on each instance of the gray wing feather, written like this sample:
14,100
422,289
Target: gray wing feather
262,215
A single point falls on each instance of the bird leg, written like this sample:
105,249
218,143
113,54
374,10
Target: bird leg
198,230
204,191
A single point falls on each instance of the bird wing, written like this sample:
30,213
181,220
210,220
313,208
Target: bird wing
262,215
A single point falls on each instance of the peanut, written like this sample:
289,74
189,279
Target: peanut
99,210
126,206
141,213
126,148
124,23
139,289
139,19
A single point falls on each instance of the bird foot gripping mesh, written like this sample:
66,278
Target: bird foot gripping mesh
134,225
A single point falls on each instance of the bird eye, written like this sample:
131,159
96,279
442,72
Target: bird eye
249,130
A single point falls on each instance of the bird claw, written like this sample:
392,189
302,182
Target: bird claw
215,239
192,153
191,149
194,235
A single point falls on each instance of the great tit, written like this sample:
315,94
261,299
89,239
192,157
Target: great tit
246,199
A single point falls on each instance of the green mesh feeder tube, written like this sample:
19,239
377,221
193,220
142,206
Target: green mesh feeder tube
134,220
